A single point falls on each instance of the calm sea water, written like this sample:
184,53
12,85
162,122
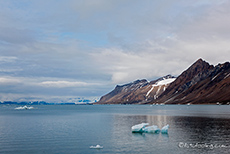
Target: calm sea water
70,129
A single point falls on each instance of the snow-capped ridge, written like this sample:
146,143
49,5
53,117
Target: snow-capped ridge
138,91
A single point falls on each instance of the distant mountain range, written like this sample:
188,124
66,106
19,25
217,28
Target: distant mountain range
71,101
201,83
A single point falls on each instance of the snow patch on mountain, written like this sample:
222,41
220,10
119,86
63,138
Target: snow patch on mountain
227,76
160,83
158,90
165,81
150,90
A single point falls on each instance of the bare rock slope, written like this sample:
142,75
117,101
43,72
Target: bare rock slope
139,91
200,83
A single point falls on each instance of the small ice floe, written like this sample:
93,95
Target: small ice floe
151,129
24,108
164,130
139,128
96,147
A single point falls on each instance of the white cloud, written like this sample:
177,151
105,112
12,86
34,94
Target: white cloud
64,84
9,81
126,66
7,59
154,59
30,82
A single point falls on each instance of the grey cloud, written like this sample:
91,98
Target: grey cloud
213,23
29,86
107,42
15,36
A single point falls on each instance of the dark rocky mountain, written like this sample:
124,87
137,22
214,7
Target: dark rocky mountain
139,91
201,83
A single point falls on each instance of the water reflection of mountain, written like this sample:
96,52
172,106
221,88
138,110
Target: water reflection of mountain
182,129
203,129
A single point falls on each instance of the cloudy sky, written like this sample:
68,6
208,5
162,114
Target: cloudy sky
59,49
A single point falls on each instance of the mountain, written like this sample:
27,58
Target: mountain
139,91
201,83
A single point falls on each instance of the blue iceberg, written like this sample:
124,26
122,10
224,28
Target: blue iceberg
152,129
139,128
164,129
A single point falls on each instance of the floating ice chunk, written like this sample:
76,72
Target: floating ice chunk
152,129
164,130
96,147
139,128
19,108
30,107
24,107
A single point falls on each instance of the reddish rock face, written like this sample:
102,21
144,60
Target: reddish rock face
200,83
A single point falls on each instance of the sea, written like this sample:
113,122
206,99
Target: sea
74,129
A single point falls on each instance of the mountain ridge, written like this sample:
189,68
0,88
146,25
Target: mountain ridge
139,91
204,86
201,83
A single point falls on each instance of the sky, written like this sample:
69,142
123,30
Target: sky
60,50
